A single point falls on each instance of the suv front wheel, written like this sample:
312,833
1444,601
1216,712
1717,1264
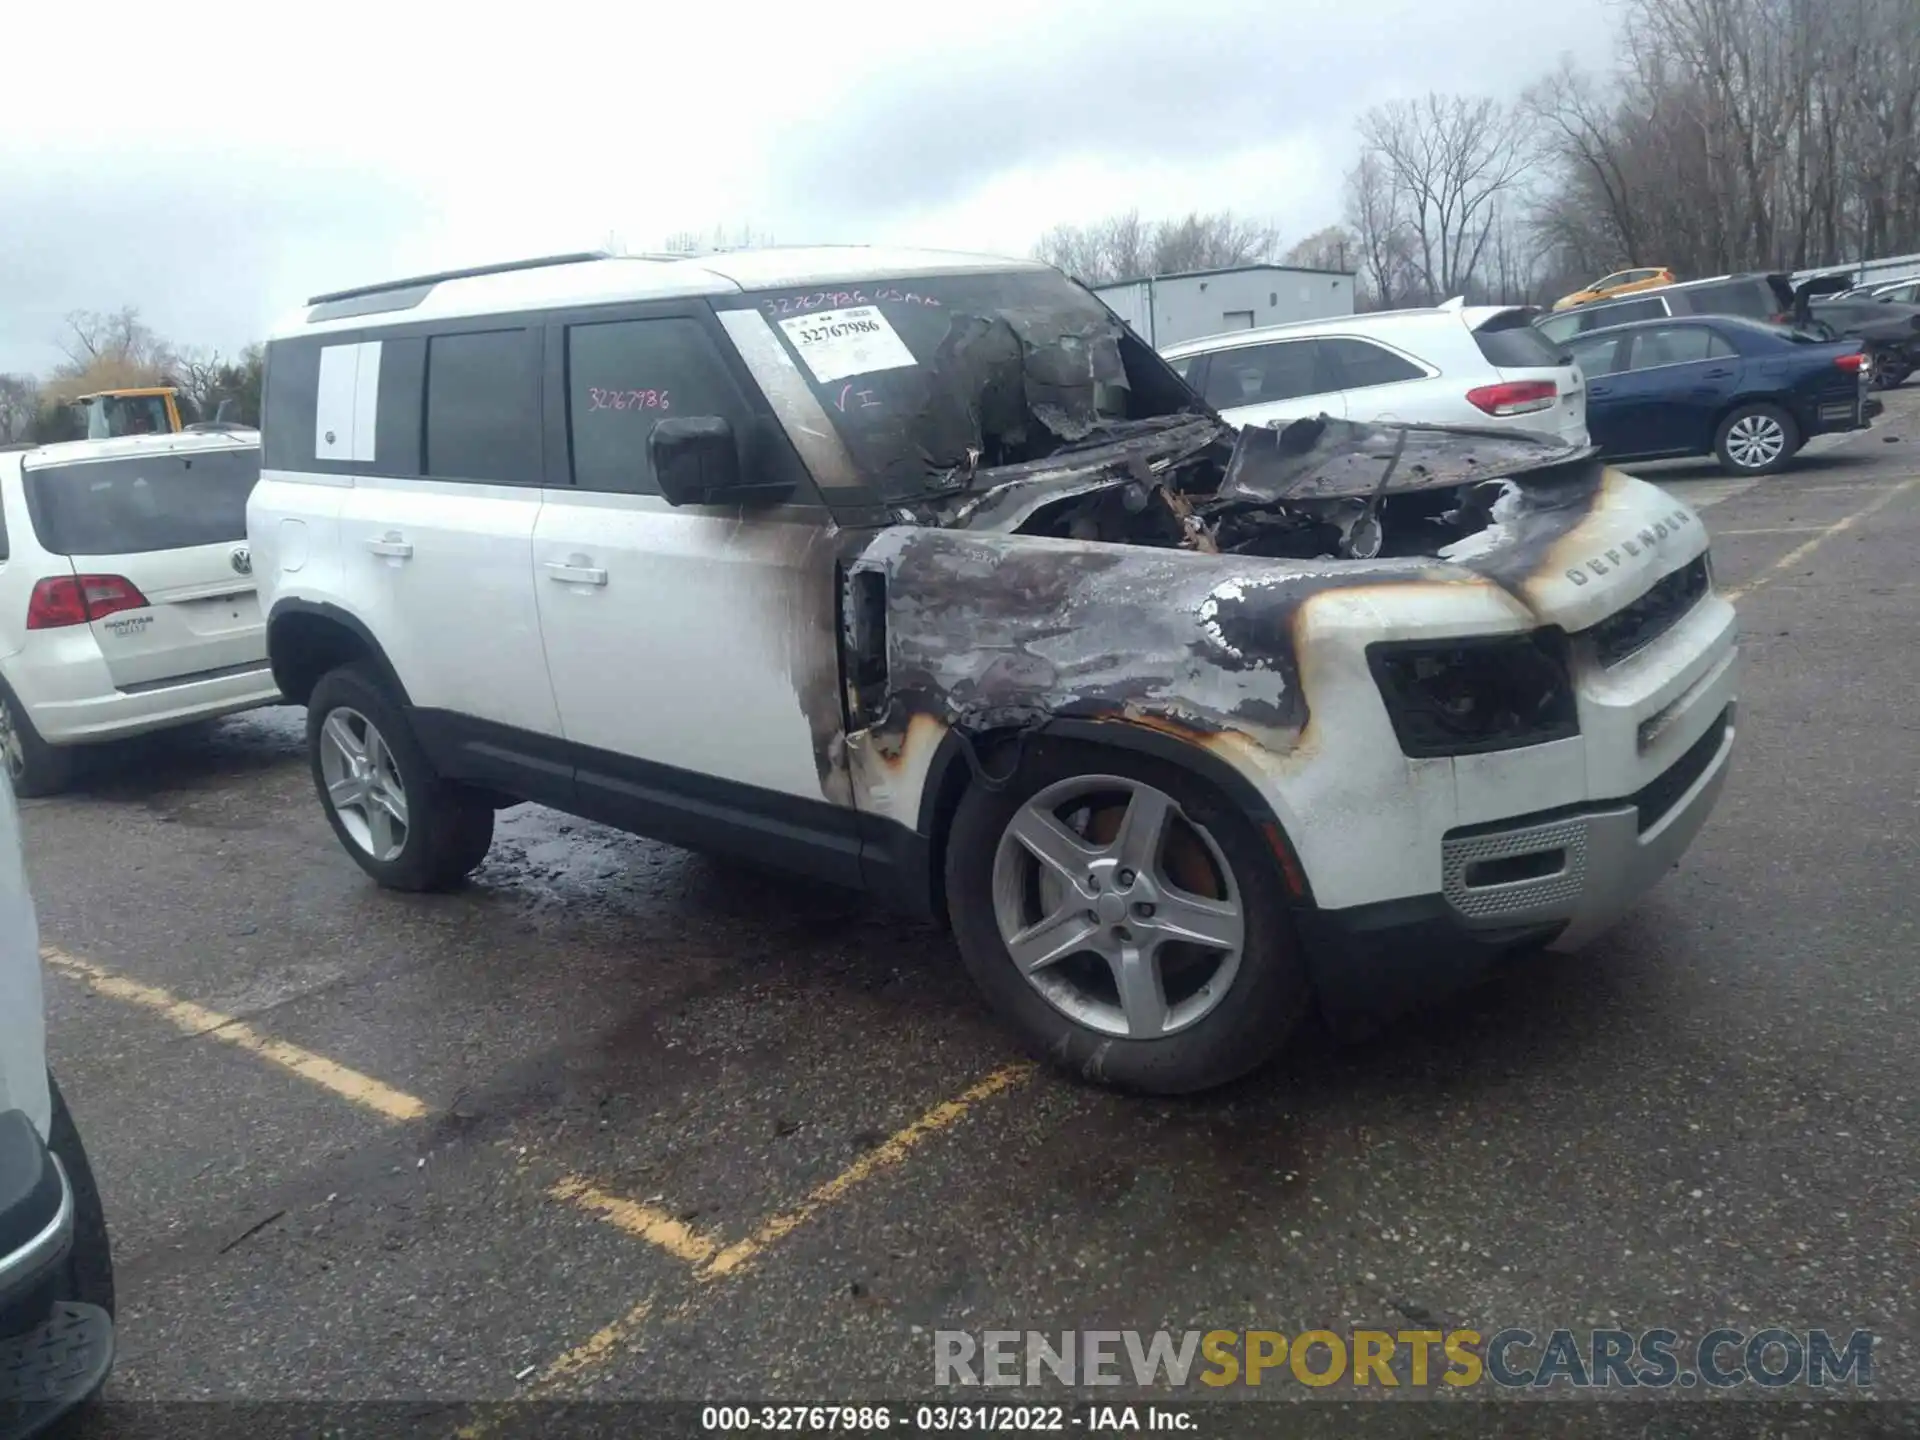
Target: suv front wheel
1126,917
402,824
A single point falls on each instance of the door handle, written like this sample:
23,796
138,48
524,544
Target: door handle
575,574
391,545
1721,374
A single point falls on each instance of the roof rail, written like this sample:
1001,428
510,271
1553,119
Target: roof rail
536,263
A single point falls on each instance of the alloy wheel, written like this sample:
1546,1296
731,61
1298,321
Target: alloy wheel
1117,907
1755,441
363,783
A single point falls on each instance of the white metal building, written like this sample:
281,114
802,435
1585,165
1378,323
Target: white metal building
1166,309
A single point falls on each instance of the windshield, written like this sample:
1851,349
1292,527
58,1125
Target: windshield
142,503
936,378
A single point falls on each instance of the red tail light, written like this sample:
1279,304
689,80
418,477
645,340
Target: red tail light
1516,397
1851,363
76,599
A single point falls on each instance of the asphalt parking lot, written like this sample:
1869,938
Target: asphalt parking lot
618,1120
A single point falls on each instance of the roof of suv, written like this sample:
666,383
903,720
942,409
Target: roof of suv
67,452
1429,317
607,279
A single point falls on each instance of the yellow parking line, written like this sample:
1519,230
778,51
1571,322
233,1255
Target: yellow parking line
1800,552
645,1222
884,1156
192,1019
709,1259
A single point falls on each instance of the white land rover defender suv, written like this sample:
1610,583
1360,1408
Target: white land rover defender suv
922,573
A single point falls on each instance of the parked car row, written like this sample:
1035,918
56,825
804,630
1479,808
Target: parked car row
1746,369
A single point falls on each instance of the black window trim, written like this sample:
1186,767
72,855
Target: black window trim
529,325
558,425
424,331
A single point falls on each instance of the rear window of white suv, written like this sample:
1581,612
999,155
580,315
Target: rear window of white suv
135,504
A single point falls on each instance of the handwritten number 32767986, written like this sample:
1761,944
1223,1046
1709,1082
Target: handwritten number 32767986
627,400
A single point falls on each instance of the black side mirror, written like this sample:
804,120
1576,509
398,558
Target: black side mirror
696,460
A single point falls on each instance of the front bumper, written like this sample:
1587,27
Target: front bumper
1559,878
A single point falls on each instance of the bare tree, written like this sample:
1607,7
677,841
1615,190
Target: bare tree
1124,247
1738,134
1380,226
19,404
1450,159
1333,248
114,339
693,242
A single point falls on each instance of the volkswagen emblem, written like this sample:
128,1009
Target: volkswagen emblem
242,560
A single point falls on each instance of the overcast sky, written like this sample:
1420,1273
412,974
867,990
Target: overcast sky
217,163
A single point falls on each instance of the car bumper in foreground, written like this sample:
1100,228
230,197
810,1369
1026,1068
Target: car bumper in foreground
54,1353
119,713
1558,878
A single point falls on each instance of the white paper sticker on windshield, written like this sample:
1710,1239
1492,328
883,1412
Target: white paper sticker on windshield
839,343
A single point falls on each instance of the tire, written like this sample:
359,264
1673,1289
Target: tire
89,1267
1243,1009
1890,370
438,832
1755,439
34,766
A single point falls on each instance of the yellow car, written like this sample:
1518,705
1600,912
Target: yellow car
1618,283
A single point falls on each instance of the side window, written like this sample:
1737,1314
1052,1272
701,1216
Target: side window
1360,363
1561,328
624,376
1623,313
1753,299
365,394
1718,348
483,407
1599,356
1258,374
1671,345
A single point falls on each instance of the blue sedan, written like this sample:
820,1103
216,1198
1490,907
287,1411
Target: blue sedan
1748,393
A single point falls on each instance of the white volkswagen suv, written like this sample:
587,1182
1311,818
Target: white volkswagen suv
1481,365
920,573
126,594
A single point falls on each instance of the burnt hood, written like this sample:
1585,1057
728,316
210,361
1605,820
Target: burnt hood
1323,459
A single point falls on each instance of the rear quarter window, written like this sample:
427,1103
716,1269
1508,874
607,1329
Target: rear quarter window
137,504
1516,347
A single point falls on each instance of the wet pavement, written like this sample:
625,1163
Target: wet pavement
688,1130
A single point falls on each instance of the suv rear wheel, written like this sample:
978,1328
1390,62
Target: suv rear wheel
402,824
34,766
1127,918
1756,439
